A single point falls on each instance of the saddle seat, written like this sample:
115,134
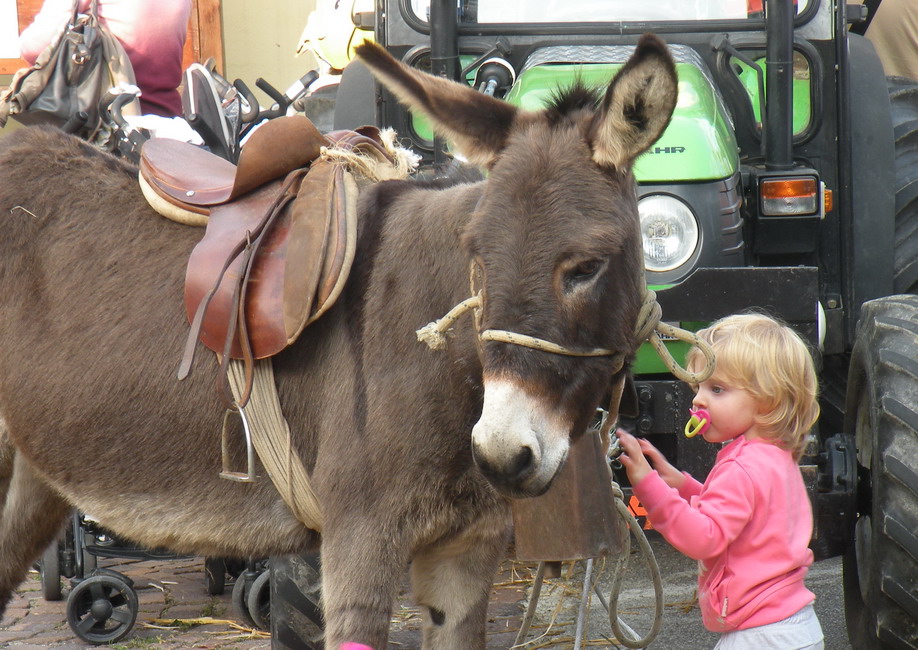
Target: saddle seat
195,180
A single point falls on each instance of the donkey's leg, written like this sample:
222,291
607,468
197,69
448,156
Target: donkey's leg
452,584
361,569
30,520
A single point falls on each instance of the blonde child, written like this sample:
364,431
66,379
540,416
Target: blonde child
750,523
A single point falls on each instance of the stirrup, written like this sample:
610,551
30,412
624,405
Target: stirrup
242,477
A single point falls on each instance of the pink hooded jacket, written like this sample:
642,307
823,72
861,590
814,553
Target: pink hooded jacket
750,525
151,31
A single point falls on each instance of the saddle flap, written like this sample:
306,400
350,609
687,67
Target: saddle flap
311,216
228,224
320,273
297,270
342,244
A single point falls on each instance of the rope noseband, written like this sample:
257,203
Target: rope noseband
649,328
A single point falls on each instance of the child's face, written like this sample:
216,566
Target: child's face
733,410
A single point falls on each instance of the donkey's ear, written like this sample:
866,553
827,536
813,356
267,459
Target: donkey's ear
637,107
476,123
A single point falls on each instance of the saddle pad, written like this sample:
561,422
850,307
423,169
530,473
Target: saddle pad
296,272
195,178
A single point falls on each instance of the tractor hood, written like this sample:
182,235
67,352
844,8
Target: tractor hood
698,145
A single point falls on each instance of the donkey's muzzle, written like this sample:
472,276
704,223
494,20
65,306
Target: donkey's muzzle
518,444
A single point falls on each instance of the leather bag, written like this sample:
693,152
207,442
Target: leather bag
70,77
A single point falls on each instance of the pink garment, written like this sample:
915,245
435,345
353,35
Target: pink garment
151,31
750,524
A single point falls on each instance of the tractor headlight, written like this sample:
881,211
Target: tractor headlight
669,231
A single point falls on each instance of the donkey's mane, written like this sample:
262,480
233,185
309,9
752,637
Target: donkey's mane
565,102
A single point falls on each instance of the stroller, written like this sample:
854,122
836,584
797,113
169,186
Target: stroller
102,605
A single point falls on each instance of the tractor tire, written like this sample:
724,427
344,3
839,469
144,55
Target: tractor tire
881,566
296,615
903,97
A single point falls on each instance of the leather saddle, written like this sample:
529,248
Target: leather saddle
280,235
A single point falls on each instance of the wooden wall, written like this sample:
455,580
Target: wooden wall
205,33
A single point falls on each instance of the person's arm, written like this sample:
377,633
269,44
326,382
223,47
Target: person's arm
690,486
635,448
51,18
715,518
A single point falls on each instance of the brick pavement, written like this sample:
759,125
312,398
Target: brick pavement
174,589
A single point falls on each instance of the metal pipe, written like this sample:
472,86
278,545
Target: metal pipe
779,59
444,55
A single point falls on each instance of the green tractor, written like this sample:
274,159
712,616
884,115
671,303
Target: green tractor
787,181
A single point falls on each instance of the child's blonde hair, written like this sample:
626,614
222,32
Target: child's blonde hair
773,363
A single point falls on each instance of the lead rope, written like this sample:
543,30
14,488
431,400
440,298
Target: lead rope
649,328
623,633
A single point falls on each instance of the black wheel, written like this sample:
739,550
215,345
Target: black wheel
881,567
102,608
240,599
50,572
903,96
258,601
90,561
214,575
296,617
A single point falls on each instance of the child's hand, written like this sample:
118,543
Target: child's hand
632,457
667,471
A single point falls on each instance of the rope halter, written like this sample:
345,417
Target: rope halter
649,328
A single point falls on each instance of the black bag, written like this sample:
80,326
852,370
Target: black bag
69,78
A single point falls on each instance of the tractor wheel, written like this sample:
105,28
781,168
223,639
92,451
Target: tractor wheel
903,96
296,617
881,566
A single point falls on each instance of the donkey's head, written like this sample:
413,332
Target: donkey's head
554,248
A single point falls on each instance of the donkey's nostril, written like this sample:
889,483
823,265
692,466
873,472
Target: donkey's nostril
520,463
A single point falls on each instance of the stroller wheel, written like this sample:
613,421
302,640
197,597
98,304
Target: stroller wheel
240,599
243,587
50,571
102,608
258,601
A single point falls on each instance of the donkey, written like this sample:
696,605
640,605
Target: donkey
413,454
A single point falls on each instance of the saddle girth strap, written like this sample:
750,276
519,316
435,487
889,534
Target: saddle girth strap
271,437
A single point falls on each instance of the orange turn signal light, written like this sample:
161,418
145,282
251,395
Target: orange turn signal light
789,196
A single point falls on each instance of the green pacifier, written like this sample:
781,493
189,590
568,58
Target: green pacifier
699,421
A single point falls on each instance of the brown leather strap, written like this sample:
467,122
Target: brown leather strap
237,323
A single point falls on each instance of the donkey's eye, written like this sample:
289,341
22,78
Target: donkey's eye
582,271
586,269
